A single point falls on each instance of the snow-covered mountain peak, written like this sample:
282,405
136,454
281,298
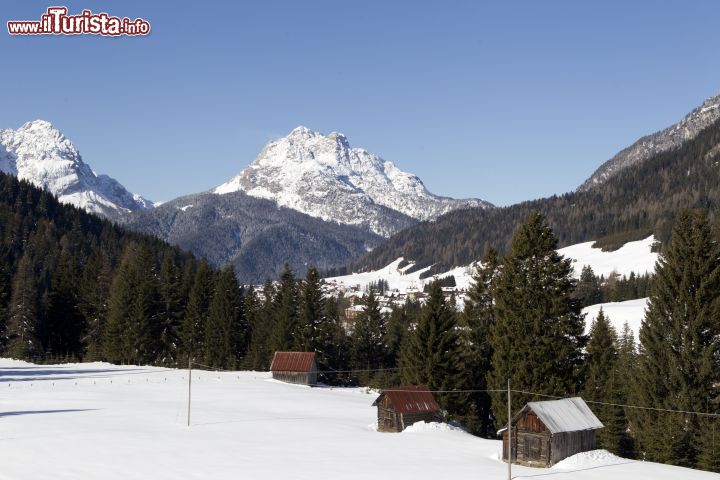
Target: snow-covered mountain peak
39,153
323,176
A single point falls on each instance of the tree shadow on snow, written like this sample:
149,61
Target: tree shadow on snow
35,412
19,374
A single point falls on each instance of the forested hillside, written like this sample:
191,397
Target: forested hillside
60,268
644,198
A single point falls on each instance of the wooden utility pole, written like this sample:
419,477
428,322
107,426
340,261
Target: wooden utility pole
509,435
189,388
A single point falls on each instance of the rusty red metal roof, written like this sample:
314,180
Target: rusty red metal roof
293,362
412,399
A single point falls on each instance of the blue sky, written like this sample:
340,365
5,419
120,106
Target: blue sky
507,101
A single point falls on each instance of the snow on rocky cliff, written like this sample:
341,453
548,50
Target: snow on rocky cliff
322,176
41,154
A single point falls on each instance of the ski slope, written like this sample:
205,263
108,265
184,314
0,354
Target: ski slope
99,421
630,311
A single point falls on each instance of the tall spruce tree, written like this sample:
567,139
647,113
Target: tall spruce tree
284,334
602,383
22,329
260,324
93,301
170,311
224,328
434,354
4,298
192,327
678,364
626,371
537,337
337,350
133,330
310,335
587,290
64,324
368,348
478,317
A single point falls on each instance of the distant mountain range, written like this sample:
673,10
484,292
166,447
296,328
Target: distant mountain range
39,153
307,199
310,198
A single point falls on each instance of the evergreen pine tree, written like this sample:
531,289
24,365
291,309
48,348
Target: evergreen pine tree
192,327
537,337
602,383
133,334
433,355
337,346
478,317
64,325
22,328
310,336
625,372
368,349
678,364
93,302
224,317
4,297
587,290
170,313
260,315
285,313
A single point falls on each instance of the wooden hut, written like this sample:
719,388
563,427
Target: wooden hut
295,367
543,433
400,407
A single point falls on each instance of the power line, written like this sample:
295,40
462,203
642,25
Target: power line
637,407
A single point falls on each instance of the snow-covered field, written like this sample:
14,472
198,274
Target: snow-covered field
630,311
99,421
631,257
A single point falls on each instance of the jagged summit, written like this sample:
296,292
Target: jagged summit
662,141
323,176
39,153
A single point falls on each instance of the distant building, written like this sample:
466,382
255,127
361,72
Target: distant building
295,367
398,408
543,433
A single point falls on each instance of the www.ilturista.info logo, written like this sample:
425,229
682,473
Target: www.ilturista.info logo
56,21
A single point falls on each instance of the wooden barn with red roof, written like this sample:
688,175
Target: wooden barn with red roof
400,407
295,367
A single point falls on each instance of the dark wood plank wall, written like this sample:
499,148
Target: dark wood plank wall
535,446
567,444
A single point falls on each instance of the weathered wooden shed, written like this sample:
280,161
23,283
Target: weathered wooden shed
543,433
398,408
295,367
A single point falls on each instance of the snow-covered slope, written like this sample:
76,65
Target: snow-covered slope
630,311
399,278
39,153
635,257
322,176
649,146
99,421
632,257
